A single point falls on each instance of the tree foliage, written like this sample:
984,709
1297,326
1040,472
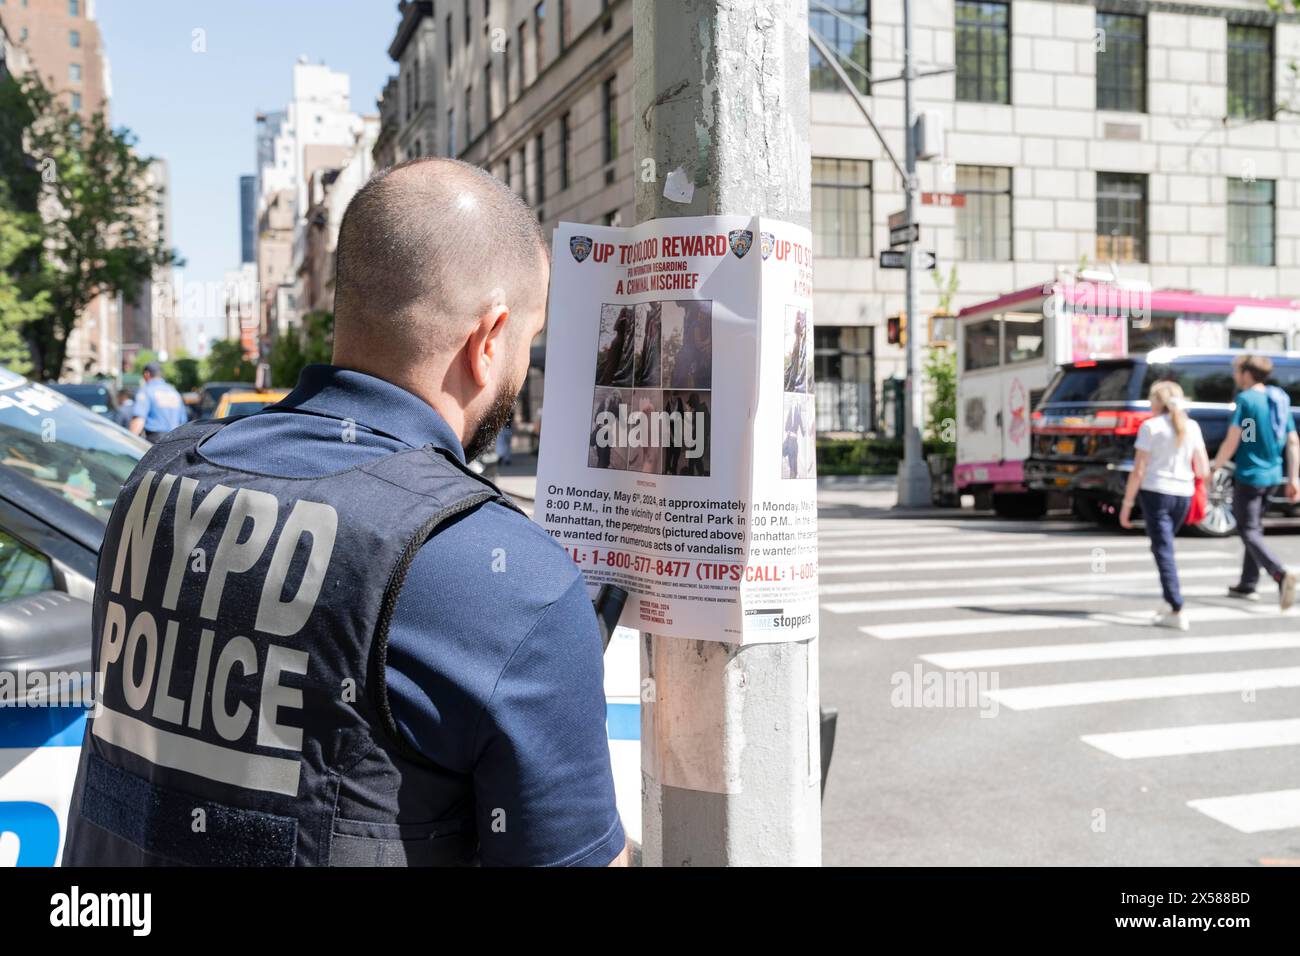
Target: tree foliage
94,198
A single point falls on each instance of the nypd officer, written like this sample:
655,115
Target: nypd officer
158,407
321,639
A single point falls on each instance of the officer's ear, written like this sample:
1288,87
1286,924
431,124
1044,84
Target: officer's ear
486,345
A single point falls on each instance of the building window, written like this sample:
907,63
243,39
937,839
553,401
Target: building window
847,32
1121,217
539,168
76,102
505,72
563,10
74,8
522,34
488,115
523,173
565,139
74,72
467,25
608,23
609,97
539,35
983,52
469,113
1250,222
984,223
417,150
844,377
614,218
74,38
1122,62
451,132
1250,71
841,195
447,43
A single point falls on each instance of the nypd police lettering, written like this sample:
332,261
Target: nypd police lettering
186,699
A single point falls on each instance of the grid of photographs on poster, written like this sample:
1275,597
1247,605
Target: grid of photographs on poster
799,441
653,404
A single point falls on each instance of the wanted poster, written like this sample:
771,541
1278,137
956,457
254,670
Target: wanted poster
678,457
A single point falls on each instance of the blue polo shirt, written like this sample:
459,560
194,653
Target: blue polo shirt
495,666
160,405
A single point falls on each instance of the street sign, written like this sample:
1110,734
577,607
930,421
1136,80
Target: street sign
904,234
944,200
897,259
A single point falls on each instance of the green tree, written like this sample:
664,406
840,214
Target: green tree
226,363
312,343
19,305
941,375
95,196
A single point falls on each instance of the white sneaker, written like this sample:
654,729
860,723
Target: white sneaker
1171,619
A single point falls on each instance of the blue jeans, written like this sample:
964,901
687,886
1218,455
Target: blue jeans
1164,515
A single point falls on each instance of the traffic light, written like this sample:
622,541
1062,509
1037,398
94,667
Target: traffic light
896,329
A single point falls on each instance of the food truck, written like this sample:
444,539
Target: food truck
1009,348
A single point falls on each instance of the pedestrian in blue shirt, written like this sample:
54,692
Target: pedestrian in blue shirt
400,667
158,407
1261,440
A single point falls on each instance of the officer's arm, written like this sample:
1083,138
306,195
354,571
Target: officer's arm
138,411
542,778
624,858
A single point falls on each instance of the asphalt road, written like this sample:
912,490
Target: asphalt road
1003,699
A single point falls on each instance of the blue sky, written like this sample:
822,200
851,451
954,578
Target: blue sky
197,110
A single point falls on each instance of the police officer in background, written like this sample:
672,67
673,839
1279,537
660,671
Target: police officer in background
321,638
158,407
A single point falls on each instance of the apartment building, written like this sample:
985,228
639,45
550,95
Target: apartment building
1154,139
62,40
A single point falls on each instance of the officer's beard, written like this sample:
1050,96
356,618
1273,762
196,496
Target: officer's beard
494,419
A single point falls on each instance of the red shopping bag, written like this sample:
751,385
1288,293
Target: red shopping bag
1199,505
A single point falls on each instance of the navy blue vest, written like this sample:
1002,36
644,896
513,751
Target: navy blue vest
240,630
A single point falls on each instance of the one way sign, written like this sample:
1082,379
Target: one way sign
897,259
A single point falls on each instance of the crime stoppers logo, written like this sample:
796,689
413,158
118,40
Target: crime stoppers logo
740,240
580,246
767,242
774,619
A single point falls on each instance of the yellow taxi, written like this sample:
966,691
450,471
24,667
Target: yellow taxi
246,403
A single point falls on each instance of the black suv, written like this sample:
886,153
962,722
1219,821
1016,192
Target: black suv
1084,427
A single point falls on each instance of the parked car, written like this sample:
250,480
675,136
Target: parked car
61,468
210,395
247,401
1085,426
99,397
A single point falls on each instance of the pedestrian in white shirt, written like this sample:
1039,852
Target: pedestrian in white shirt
1170,456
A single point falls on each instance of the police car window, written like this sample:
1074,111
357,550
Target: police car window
23,571
981,344
1200,381
64,446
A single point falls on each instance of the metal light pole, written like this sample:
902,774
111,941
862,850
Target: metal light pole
913,473
730,750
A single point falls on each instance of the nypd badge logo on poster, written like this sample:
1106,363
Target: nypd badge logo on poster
580,246
741,240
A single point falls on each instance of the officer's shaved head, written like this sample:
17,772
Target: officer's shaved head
424,248
440,286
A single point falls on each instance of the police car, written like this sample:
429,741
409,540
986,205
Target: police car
61,466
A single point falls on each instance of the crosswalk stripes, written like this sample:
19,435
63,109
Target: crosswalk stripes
958,587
